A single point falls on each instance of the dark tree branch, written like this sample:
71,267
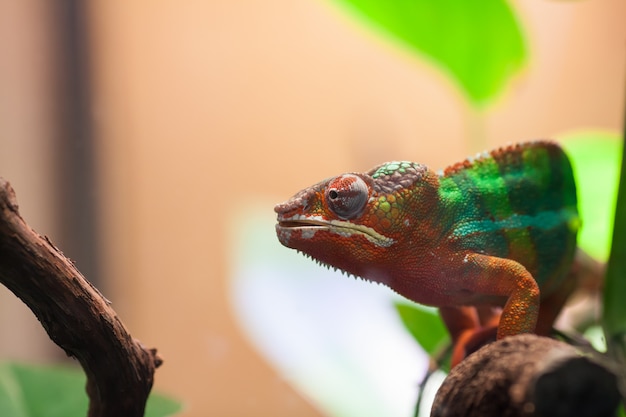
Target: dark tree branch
530,376
75,315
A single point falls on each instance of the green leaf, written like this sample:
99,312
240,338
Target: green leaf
56,391
43,391
480,45
161,406
11,399
595,158
424,325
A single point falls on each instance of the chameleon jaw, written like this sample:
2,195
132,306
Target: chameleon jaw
308,226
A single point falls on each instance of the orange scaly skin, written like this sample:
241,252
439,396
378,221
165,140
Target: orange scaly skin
497,230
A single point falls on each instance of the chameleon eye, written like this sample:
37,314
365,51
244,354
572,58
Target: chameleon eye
346,195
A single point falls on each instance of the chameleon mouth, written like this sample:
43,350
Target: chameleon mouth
339,227
290,224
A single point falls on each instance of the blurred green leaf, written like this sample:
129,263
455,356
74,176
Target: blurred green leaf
424,325
11,399
595,157
480,45
56,391
50,391
161,406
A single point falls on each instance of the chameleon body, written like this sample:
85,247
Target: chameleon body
496,230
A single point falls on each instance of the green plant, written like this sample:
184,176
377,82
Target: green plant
28,390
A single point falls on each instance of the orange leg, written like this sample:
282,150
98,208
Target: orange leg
471,328
504,277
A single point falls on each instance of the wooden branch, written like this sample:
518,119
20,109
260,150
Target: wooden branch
528,375
75,315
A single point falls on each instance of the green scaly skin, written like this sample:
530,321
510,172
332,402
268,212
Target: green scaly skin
498,230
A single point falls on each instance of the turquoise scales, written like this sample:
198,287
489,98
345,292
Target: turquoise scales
518,204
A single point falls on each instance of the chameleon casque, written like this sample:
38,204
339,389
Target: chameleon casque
495,230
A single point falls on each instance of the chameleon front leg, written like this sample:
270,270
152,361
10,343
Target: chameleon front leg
472,327
493,276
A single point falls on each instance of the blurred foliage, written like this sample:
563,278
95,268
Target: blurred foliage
481,48
425,325
595,158
56,391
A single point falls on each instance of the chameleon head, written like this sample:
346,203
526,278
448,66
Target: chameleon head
353,221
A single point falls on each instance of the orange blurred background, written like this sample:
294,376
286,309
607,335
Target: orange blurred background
196,110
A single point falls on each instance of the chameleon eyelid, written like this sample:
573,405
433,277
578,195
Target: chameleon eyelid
347,195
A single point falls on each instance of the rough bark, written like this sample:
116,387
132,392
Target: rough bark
75,315
528,375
